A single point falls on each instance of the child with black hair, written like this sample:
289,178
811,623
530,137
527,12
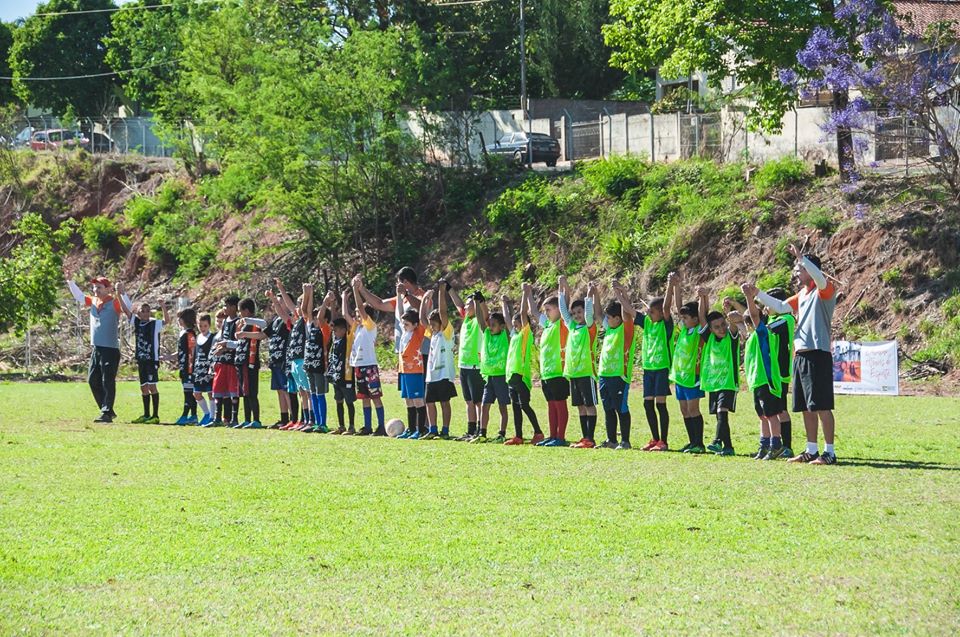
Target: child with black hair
186,345
579,365
556,388
719,368
657,352
471,380
315,361
228,332
493,368
410,364
685,368
520,367
616,367
363,359
441,368
297,382
247,337
203,371
147,353
226,384
339,372
788,322
277,330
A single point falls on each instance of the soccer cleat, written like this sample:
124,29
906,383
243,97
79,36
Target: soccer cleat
624,445
414,436
181,421
338,431
479,439
293,424
304,426
584,443
277,425
649,446
684,448
430,435
380,433
726,451
141,420
406,434
499,440
321,429
696,449
216,423
774,452
556,442
152,420
239,425
715,446
191,420
660,446
516,440
787,452
761,453
608,444
104,417
537,439
256,424
205,421
544,443
365,431
804,457
349,432
465,437
825,458
444,436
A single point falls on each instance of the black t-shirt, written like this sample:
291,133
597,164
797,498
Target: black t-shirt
313,358
248,350
202,368
296,345
337,358
226,333
147,339
186,345
277,335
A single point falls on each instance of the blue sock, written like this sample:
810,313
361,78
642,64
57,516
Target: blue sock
445,431
313,407
775,442
764,441
322,409
433,429
367,417
380,417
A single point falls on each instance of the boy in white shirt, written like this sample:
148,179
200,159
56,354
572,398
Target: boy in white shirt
363,359
441,368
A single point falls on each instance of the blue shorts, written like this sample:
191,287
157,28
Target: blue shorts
278,378
613,394
297,379
656,382
412,386
688,393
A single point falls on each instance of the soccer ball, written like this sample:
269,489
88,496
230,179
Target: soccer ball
395,427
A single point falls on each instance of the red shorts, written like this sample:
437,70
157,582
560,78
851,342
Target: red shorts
225,381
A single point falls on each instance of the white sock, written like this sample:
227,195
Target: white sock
828,449
812,448
202,402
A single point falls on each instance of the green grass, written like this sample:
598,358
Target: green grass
125,529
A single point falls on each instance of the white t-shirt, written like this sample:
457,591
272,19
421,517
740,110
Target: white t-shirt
440,362
364,353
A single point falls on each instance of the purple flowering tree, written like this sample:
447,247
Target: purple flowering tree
905,76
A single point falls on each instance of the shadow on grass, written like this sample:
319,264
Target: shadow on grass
887,463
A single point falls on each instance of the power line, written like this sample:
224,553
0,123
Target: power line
84,77
125,7
459,3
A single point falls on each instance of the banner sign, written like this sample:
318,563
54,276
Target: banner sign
866,368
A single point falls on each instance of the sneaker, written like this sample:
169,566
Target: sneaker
685,447
380,433
240,425
695,449
584,444
543,443
205,421
216,423
624,445
479,439
761,453
104,417
787,453
774,452
715,447
465,438
516,440
256,424
191,420
825,458
443,436
556,442
660,446
537,439
499,440
349,432
649,446
406,434
608,444
338,431
277,425
322,429
414,436
365,431
804,457
287,426
181,421
141,420
726,451
152,420
430,435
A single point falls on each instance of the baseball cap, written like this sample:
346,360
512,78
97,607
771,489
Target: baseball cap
102,281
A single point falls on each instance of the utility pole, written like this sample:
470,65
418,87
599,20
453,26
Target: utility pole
524,102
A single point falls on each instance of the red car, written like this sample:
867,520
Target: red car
56,138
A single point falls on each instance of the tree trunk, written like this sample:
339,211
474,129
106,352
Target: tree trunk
846,160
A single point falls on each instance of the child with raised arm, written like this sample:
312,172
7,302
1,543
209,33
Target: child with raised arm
410,365
719,368
186,346
339,371
471,380
226,385
247,337
277,331
555,387
685,368
441,368
616,366
363,359
203,371
519,367
579,365
493,367
315,361
657,327
147,354
297,381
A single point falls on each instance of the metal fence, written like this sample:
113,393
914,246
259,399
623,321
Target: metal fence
585,141
106,135
701,135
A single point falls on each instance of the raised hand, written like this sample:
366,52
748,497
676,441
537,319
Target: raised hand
703,290
794,250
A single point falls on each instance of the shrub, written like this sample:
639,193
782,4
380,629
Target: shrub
779,278
893,277
99,233
778,174
142,212
615,176
781,254
821,218
528,204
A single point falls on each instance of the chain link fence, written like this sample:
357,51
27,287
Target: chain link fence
124,135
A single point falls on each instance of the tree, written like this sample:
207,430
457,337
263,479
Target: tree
61,46
6,41
747,41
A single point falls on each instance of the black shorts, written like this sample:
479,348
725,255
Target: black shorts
614,394
471,384
766,404
496,391
583,391
555,388
813,381
519,392
186,379
148,372
440,391
725,398
343,390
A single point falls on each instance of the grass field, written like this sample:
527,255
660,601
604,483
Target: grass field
138,529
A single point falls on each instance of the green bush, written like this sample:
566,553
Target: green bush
821,218
779,278
524,206
142,212
615,176
781,254
894,278
778,174
99,233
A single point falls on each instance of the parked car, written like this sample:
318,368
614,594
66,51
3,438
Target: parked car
545,148
99,143
56,138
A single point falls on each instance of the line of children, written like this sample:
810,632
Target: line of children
520,367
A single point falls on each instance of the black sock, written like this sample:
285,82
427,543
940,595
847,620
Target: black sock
723,428
193,405
234,408
227,410
219,402
351,413
593,426
146,405
698,424
786,433
187,395
688,425
518,420
294,407
664,420
246,410
340,415
411,419
254,407
156,404
625,421
532,417
471,428
483,432
651,412
585,426
422,419
610,420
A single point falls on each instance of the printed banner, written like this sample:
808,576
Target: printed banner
866,368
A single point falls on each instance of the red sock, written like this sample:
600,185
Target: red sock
552,417
562,417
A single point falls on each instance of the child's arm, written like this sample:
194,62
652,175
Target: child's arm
329,301
627,313
457,301
442,303
563,300
597,304
166,312
481,311
358,299
375,301
671,282
306,303
588,303
285,300
736,324
345,307
505,308
426,304
677,293
526,306
703,302
750,291
126,305
397,308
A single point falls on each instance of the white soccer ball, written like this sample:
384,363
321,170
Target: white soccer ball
395,427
